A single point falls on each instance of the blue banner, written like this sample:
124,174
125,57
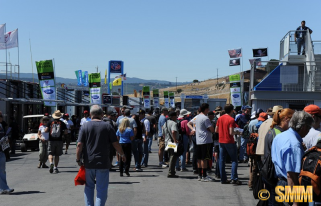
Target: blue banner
115,66
85,78
79,77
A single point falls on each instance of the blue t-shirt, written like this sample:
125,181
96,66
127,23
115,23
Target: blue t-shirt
125,136
161,122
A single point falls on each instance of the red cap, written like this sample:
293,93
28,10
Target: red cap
46,114
312,109
263,116
66,115
85,112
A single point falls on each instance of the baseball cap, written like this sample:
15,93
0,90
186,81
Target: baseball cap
259,110
85,111
263,116
253,115
111,113
66,115
313,109
141,111
247,107
46,114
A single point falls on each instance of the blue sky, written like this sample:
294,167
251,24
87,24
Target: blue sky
156,39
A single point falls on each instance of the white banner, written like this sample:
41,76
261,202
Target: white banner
235,89
172,102
166,102
236,99
49,93
11,40
2,28
95,95
146,101
156,102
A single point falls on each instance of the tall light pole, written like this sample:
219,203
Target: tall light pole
176,84
217,77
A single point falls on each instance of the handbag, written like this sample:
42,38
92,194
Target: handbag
80,178
180,146
4,143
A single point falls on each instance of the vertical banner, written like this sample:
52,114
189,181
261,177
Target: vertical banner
172,99
47,81
79,77
146,96
156,97
85,78
235,89
166,100
94,88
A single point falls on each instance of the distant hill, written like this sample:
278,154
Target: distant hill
129,80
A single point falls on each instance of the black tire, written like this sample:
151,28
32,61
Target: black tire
23,147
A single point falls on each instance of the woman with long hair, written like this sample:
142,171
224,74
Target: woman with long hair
125,135
280,123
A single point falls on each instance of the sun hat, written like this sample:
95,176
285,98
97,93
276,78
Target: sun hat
57,114
183,113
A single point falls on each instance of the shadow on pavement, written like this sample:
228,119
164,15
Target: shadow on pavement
123,183
152,171
145,176
13,159
187,177
26,192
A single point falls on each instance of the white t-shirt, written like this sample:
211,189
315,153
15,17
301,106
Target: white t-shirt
203,136
312,138
193,121
45,135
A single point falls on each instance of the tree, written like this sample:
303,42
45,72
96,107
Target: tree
195,81
179,91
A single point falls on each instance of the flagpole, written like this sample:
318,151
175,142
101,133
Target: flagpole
5,29
18,55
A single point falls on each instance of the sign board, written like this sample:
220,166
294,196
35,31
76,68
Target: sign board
183,96
205,96
194,97
107,99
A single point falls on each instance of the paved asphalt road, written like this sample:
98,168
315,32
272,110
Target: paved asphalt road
35,186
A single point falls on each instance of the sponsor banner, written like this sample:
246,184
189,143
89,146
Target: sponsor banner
235,78
156,101
107,99
235,62
84,78
94,88
235,84
236,99
172,99
79,77
234,53
235,89
146,101
115,66
47,81
166,102
261,52
155,93
194,97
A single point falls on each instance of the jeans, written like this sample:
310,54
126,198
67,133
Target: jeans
150,143
231,150
102,181
300,43
146,152
3,175
183,156
271,189
243,154
127,149
137,147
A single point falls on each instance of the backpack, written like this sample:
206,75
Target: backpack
180,145
267,170
215,135
311,171
246,132
251,144
55,129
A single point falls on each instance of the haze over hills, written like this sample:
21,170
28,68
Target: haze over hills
130,80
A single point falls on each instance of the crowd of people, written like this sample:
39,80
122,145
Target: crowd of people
281,135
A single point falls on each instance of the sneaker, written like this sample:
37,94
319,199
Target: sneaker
116,164
161,164
44,166
56,171
236,182
9,190
150,151
66,152
164,166
138,170
217,177
199,178
207,179
184,170
51,168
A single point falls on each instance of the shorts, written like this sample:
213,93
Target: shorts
67,138
161,143
204,151
55,148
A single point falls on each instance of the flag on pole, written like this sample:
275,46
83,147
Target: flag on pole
106,76
110,85
234,53
124,76
11,40
117,82
2,28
